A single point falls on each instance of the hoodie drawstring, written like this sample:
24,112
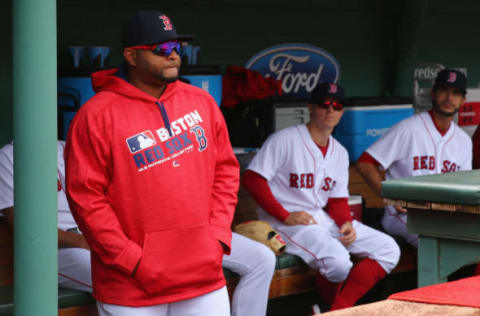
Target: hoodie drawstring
166,121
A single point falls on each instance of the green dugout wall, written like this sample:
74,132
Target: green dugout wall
364,35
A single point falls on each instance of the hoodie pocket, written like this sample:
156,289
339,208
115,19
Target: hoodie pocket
180,259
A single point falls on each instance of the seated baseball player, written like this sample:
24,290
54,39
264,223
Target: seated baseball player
73,253
426,143
299,178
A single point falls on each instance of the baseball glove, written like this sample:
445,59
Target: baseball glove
262,232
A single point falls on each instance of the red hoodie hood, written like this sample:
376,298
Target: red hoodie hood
108,80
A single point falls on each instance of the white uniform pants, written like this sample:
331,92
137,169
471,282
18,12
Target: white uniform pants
319,247
74,269
255,263
214,303
395,224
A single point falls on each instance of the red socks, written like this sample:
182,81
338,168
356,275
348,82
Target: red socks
326,289
363,276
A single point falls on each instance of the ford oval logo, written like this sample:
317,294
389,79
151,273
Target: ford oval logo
300,67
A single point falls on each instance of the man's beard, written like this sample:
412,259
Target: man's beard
165,79
160,75
437,109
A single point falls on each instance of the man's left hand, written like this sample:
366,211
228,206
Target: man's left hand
349,234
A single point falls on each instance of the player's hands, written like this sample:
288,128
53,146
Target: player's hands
299,218
400,209
349,234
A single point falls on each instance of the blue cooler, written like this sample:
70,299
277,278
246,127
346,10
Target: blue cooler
73,92
208,78
366,120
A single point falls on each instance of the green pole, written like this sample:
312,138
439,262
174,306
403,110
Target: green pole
35,164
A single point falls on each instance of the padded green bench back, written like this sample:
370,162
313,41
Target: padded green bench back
461,187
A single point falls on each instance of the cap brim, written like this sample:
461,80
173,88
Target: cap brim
185,38
318,100
448,84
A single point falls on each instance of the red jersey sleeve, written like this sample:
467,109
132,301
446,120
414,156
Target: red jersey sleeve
367,158
259,189
339,210
476,148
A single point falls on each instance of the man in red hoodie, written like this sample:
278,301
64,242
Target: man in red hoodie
152,182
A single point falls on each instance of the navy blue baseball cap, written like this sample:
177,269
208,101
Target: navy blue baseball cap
451,78
327,90
151,27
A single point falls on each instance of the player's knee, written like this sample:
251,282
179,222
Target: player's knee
389,254
268,259
337,269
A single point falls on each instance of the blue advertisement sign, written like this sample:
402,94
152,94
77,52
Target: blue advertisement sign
300,67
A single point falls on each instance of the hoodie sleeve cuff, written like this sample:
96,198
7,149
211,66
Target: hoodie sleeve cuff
224,235
127,260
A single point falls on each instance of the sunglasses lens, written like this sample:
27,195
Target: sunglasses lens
165,49
325,105
337,106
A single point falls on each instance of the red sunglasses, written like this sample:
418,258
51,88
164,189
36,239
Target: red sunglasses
162,49
326,104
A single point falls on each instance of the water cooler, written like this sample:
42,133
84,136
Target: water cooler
208,78
367,119
73,92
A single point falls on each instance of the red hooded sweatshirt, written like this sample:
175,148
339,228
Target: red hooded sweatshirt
154,183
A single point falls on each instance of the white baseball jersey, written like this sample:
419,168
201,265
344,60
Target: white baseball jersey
301,178
298,174
73,263
415,147
65,219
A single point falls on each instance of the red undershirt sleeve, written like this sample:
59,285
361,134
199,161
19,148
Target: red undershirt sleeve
367,158
259,189
339,210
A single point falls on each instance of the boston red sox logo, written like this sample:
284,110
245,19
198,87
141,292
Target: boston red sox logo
328,184
449,166
167,26
452,77
302,180
424,162
201,139
333,89
429,163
